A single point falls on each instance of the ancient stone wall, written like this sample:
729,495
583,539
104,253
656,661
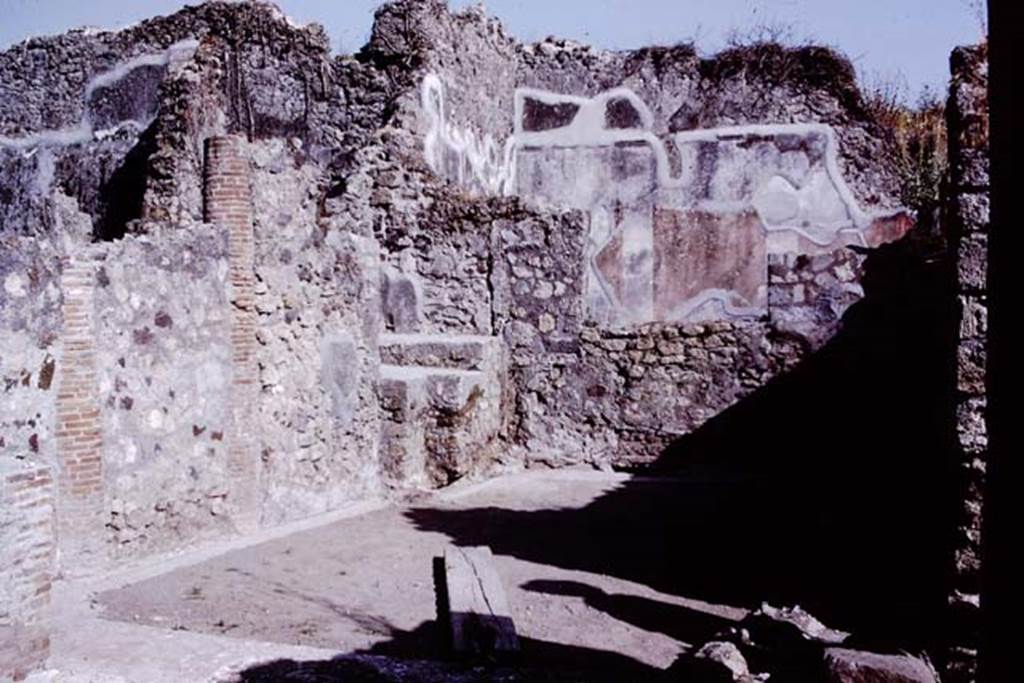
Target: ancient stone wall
81,127
163,331
705,198
117,119
686,196
696,246
30,324
248,282
318,311
967,214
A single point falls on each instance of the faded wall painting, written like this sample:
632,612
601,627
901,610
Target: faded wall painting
681,225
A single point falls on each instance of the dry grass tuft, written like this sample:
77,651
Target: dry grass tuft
918,132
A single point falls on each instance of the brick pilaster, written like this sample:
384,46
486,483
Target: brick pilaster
227,198
80,490
26,566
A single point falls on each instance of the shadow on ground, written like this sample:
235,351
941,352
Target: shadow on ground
828,488
418,657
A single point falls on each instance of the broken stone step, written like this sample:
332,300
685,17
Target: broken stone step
405,388
437,423
478,613
462,351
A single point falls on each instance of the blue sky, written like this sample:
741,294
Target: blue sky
906,40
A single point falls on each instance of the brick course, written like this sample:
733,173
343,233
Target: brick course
79,435
26,567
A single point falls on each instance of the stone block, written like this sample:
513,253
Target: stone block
967,568
855,666
971,168
714,662
463,352
973,317
340,376
972,261
971,367
972,211
454,414
478,614
971,428
401,301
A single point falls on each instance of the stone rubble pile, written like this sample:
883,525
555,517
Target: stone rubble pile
789,645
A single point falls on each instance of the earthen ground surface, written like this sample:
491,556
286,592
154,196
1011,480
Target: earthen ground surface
363,585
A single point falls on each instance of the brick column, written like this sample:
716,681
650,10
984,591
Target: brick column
26,566
227,197
79,436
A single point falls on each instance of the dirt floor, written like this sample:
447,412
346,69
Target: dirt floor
365,585
609,578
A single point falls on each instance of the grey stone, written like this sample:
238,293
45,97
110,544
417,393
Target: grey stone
971,426
465,352
972,261
400,299
971,359
854,666
442,422
788,627
973,317
970,169
340,376
972,211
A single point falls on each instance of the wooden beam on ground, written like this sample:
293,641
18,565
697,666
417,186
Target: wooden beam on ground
478,613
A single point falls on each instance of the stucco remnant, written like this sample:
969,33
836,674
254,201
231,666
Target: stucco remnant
600,154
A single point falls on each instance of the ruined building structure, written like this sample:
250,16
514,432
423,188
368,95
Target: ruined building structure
246,281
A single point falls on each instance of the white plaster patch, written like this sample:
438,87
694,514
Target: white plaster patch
45,169
715,304
460,153
14,285
815,210
177,52
587,129
777,202
83,131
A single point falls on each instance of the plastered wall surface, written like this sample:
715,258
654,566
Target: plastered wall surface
665,246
